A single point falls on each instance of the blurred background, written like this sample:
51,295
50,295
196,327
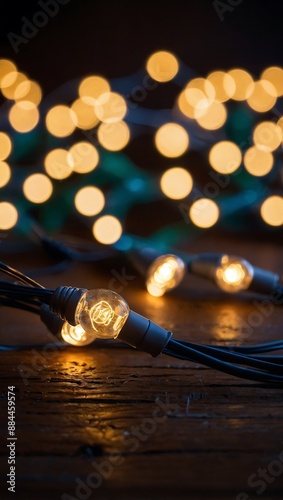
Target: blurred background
131,121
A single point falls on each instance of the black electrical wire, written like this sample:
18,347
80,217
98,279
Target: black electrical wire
18,275
181,351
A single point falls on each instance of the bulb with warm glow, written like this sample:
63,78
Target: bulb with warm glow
75,335
233,274
162,66
165,273
107,229
102,313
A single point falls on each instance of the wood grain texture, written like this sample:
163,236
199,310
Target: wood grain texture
135,427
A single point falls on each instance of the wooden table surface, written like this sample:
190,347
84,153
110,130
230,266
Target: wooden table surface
109,422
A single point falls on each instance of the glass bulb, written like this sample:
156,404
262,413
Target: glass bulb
233,274
75,335
102,313
165,273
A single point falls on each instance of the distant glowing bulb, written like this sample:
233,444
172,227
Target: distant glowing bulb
262,96
75,335
10,83
204,213
89,201
162,66
165,273
107,229
258,162
242,81
29,91
24,116
267,136
113,136
8,215
85,114
272,211
5,173
274,75
59,164
92,87
37,188
110,107
176,183
233,274
211,116
6,67
102,313
223,84
61,121
172,140
225,157
5,146
85,157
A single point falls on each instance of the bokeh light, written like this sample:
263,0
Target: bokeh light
274,75
204,213
213,115
85,157
225,157
24,116
262,96
89,201
242,80
37,188
85,114
267,136
257,161
191,102
107,229
176,183
5,173
6,67
8,215
171,140
224,85
162,66
113,136
5,146
110,107
28,91
92,87
272,211
10,83
206,88
59,163
61,121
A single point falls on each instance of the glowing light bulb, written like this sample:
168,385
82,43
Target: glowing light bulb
176,183
162,66
171,140
75,335
102,313
165,273
233,274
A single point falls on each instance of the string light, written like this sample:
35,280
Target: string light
225,157
171,140
8,215
61,121
59,164
113,136
107,229
191,102
162,66
165,273
24,116
85,157
75,335
89,201
37,188
176,183
271,211
258,162
204,213
5,173
233,274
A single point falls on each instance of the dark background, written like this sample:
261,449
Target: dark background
114,38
